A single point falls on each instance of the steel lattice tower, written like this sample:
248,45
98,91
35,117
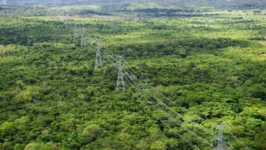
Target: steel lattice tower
219,137
98,60
83,40
120,83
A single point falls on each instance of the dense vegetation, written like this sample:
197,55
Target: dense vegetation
193,71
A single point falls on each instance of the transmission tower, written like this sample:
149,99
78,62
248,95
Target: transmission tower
120,83
98,60
83,40
219,136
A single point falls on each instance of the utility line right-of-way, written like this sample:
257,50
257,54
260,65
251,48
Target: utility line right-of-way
169,116
202,128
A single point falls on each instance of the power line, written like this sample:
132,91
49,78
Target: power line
186,129
179,135
121,85
205,130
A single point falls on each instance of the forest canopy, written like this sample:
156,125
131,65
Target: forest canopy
141,75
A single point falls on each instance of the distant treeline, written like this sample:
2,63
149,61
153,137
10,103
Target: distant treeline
181,47
248,4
